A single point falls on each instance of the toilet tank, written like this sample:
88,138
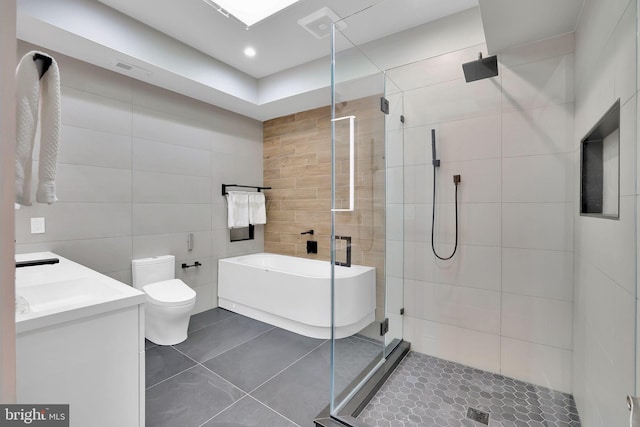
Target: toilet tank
153,269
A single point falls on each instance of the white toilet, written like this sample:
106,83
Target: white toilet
169,300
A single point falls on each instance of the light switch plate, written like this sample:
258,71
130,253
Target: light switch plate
37,225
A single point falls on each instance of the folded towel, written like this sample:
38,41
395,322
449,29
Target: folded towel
237,209
35,95
257,209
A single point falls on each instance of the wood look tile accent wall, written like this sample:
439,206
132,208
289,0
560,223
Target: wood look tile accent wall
297,165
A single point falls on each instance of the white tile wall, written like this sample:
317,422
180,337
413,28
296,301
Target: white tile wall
505,301
394,220
480,181
170,158
95,112
156,218
174,243
478,349
539,320
468,308
394,155
139,169
161,127
604,345
538,273
475,266
438,70
94,148
75,220
478,223
538,226
537,363
103,254
623,47
418,183
152,187
77,183
597,23
452,100
394,257
538,84
539,179
628,149
610,245
543,130
544,49
395,185
606,253
457,141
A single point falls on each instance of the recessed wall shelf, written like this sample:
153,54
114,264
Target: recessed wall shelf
600,167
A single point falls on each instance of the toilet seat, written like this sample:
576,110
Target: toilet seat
168,293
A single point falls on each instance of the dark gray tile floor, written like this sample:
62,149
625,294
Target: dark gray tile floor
425,391
236,371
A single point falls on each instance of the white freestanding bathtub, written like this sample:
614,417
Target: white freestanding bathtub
295,293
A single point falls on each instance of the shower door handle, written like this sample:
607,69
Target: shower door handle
352,120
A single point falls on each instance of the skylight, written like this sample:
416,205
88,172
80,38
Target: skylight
251,11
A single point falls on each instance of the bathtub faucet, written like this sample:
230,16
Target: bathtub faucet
307,232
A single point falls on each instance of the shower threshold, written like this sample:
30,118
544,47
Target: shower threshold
347,416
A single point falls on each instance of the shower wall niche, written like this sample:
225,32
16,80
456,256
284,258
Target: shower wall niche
600,167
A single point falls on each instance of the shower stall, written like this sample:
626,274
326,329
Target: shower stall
534,314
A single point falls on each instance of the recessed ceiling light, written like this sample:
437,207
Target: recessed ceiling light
249,51
251,11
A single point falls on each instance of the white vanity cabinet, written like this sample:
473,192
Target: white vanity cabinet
85,350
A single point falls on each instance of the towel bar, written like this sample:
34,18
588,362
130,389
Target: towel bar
224,187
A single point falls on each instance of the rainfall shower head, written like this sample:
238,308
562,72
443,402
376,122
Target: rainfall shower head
481,68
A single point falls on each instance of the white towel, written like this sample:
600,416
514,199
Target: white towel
257,208
34,95
237,209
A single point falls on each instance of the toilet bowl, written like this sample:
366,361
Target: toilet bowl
169,301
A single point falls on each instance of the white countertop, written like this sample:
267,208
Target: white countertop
66,291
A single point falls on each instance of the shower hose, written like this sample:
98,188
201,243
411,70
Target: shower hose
456,181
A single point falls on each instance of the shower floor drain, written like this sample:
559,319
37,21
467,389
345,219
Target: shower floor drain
478,415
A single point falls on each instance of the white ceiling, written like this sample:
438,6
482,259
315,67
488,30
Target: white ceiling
279,41
188,47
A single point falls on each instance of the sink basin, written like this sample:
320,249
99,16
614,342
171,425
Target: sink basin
64,294
66,291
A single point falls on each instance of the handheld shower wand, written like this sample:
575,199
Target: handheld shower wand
456,181
434,161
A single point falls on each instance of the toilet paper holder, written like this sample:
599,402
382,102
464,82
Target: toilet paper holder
195,264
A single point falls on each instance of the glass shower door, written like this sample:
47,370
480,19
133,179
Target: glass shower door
394,216
357,219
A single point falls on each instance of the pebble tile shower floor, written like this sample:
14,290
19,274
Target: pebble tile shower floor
427,391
